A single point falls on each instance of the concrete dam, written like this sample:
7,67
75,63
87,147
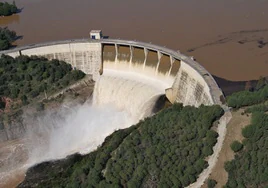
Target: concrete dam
131,76
183,79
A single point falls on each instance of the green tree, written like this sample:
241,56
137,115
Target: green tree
236,146
248,131
211,183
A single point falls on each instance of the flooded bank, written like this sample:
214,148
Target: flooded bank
229,38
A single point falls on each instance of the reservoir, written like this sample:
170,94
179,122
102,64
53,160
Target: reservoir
227,37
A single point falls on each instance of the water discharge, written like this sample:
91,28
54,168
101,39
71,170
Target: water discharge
130,92
119,101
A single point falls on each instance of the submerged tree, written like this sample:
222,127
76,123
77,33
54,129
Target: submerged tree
6,38
7,9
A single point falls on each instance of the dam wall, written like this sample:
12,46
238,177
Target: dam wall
185,80
86,57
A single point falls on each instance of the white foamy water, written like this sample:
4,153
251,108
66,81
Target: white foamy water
129,92
119,101
77,129
141,72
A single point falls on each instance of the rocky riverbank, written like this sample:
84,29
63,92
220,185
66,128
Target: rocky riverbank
13,137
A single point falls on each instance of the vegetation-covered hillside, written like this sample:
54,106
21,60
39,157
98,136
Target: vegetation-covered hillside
247,98
166,150
6,38
249,168
7,9
24,78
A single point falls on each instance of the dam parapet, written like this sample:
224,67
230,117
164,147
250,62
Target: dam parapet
186,81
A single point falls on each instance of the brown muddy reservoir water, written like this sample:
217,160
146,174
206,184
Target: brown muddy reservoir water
228,37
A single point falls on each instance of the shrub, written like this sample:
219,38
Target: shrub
248,131
236,146
211,183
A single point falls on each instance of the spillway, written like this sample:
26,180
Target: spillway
130,92
190,83
119,101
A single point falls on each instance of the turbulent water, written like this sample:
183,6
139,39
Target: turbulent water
136,96
119,101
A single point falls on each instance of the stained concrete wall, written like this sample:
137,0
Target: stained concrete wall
83,56
190,88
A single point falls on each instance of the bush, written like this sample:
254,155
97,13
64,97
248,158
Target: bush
207,151
248,131
211,183
236,146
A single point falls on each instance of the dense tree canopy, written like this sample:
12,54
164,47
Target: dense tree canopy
250,166
247,98
6,38
7,9
26,77
166,150
258,108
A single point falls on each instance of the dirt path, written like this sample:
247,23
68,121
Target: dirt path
217,148
233,132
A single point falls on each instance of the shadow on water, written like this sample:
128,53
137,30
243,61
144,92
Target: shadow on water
20,37
19,10
228,87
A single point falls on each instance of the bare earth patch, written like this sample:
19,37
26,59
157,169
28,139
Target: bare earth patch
234,132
